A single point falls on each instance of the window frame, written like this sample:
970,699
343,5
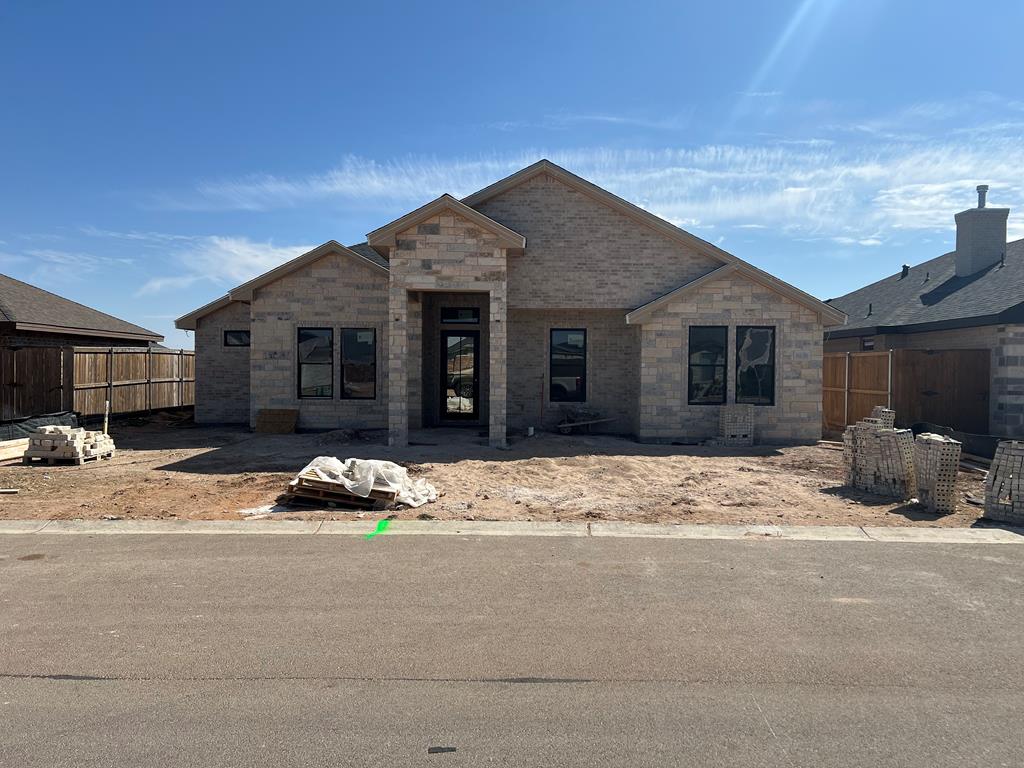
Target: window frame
299,363
551,363
724,365
246,331
341,351
775,341
474,318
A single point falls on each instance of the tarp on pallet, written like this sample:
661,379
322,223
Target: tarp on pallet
359,476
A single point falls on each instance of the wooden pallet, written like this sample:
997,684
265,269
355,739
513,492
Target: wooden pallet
298,494
52,460
309,480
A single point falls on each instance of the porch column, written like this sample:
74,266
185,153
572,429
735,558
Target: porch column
398,352
498,340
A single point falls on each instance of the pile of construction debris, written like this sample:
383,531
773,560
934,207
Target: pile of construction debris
357,484
69,445
886,461
1004,486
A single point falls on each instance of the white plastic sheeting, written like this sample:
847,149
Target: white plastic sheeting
359,476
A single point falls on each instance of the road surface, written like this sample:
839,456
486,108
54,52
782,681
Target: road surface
219,650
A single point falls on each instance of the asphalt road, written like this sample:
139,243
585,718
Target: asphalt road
331,651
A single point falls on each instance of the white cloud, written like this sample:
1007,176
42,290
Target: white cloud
223,261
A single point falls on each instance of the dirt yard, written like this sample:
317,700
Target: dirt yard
167,468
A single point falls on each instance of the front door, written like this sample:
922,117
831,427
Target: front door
460,380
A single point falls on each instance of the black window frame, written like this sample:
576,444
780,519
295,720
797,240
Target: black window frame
341,348
474,316
299,364
582,398
690,365
775,340
246,331
867,344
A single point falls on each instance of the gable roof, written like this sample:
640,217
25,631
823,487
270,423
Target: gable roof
188,322
829,315
28,308
658,224
932,297
384,237
245,290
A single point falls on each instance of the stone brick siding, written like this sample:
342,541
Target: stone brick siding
731,301
613,368
444,253
333,292
222,373
1006,367
582,254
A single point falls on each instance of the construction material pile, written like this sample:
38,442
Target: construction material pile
735,426
72,445
1004,486
936,463
878,458
358,484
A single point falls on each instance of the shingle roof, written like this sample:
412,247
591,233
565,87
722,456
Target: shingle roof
25,305
932,293
364,249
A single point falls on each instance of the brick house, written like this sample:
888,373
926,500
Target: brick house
970,299
537,294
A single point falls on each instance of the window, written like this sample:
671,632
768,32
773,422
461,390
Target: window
755,365
568,365
359,363
707,364
867,344
468,315
236,338
316,362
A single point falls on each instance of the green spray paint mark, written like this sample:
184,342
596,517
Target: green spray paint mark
382,525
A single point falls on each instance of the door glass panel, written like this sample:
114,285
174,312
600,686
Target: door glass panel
460,397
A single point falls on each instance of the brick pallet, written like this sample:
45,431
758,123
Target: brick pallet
1004,486
735,426
936,463
878,458
67,445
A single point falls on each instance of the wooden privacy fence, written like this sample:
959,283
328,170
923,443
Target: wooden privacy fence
948,387
35,380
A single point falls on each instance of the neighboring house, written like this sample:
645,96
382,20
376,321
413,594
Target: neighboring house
969,299
32,317
537,294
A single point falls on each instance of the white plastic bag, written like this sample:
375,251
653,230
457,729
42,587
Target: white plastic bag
359,476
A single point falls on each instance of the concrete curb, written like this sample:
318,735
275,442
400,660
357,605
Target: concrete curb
608,529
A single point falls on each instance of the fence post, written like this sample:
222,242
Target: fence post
149,379
889,386
846,393
181,379
110,377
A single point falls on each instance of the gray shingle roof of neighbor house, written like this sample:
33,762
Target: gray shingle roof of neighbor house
27,308
931,297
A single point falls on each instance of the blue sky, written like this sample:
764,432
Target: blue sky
154,155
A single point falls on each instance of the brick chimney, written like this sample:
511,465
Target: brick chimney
980,236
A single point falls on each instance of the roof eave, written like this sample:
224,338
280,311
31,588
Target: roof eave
73,331
188,322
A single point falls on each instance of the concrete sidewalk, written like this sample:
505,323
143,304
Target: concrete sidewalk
480,528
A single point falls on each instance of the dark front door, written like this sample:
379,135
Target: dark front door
460,374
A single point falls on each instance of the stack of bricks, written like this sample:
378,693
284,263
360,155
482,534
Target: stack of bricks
1004,486
735,426
886,417
56,443
936,463
878,458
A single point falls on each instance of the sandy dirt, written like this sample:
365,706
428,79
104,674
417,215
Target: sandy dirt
169,468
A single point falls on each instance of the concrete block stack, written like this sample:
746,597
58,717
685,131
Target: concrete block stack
1004,486
73,444
936,463
886,417
735,425
879,459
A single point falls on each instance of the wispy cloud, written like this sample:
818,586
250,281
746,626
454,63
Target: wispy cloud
563,121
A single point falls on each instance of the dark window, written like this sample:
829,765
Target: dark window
468,315
707,364
568,365
236,338
867,344
316,362
359,363
755,365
